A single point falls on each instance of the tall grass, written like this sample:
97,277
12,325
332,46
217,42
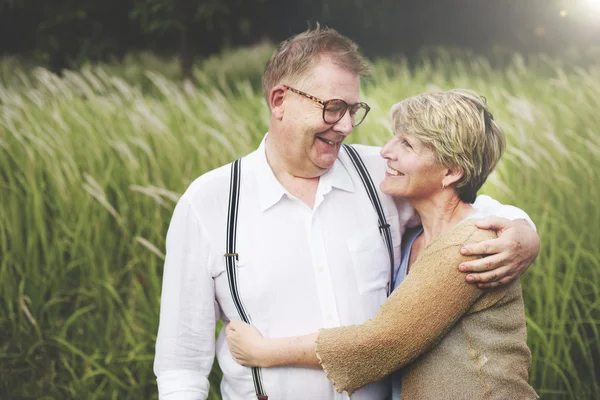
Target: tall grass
92,164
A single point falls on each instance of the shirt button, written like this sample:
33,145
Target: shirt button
329,317
320,268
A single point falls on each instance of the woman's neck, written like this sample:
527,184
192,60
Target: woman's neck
441,213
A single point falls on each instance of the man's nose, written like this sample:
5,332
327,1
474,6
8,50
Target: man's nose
344,126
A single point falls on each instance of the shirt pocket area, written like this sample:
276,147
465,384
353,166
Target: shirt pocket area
370,261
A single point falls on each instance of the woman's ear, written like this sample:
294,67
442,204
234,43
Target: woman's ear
277,101
452,175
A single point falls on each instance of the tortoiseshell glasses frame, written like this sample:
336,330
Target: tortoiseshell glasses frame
335,109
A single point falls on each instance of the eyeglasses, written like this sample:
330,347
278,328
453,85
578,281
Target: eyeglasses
335,109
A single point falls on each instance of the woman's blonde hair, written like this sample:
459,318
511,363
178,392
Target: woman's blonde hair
460,129
295,56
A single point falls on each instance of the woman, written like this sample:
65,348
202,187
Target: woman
449,338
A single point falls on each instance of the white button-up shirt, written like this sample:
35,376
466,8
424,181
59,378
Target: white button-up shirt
299,269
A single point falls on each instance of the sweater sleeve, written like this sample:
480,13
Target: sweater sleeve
413,319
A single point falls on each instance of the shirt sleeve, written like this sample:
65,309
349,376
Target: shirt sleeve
412,320
185,344
488,206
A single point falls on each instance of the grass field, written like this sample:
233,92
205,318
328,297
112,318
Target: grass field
92,164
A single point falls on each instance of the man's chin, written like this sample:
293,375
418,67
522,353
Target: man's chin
326,161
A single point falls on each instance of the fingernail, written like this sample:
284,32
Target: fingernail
470,278
463,250
463,268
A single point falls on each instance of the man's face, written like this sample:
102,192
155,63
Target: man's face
311,144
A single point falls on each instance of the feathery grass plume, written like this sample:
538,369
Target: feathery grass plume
92,164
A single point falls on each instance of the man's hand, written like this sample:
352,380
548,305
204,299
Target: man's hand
506,258
245,343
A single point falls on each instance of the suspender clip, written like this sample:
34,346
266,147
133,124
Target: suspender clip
383,227
232,255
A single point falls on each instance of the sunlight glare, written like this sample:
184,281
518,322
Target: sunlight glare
592,5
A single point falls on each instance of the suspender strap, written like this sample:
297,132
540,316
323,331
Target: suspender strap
384,227
231,258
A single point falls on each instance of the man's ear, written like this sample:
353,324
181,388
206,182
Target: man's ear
452,175
277,101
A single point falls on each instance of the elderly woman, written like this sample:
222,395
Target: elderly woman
448,338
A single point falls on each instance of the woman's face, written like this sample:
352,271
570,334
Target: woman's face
412,171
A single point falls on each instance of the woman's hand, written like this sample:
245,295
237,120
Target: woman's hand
246,344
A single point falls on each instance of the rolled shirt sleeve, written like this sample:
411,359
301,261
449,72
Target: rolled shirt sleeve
185,345
488,206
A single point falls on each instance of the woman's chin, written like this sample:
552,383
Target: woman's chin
392,190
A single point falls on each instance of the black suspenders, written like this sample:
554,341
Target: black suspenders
384,227
231,257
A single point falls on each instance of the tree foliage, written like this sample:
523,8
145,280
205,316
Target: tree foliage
64,33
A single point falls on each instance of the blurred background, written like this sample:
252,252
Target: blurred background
67,33
109,110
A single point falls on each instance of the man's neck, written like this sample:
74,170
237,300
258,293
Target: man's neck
300,187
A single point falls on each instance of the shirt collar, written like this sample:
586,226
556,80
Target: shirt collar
270,190
337,177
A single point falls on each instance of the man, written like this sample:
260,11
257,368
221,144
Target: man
310,250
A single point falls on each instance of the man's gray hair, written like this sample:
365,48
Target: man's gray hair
294,57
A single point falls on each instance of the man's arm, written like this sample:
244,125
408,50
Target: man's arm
185,344
508,256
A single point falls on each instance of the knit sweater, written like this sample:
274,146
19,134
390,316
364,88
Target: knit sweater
452,339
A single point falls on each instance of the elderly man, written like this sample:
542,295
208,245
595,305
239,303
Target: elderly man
308,247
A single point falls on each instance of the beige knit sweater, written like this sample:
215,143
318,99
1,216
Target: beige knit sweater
453,340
